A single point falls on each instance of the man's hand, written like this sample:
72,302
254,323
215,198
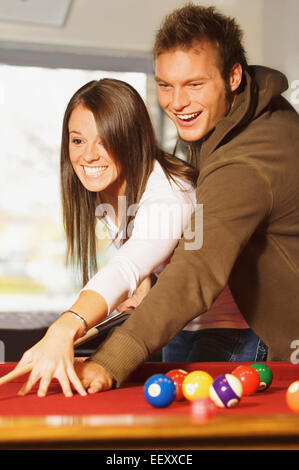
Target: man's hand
93,377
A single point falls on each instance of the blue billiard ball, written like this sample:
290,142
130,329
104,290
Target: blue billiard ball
159,390
226,391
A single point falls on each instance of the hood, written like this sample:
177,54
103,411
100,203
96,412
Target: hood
261,86
269,84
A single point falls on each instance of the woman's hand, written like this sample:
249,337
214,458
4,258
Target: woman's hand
94,377
53,357
139,294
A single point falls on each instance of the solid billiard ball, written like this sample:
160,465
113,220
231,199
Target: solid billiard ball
248,377
159,390
265,373
178,376
292,396
226,391
196,385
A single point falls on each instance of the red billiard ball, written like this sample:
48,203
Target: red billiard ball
178,375
248,377
292,396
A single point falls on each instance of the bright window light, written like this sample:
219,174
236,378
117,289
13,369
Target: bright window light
33,275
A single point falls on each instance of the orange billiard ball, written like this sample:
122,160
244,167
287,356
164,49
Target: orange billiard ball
292,396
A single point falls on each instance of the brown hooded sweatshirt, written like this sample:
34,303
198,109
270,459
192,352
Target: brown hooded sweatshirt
249,188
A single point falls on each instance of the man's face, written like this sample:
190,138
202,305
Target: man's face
191,89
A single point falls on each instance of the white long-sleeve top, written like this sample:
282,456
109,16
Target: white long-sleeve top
162,214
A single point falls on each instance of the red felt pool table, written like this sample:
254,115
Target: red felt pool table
122,419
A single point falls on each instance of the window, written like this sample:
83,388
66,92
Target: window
33,275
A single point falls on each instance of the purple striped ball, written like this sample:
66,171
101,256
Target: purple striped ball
226,391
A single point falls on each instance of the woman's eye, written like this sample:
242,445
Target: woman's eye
76,141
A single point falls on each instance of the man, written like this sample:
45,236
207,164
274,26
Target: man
244,138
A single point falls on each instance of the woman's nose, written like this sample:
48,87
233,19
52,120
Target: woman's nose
91,154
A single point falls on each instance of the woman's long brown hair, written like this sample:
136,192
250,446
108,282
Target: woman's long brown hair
127,134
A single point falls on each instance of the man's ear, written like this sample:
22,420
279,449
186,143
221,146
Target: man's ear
235,77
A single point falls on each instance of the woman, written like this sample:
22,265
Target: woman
112,168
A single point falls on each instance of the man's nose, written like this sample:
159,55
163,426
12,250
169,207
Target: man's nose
180,99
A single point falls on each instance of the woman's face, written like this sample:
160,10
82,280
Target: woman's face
95,168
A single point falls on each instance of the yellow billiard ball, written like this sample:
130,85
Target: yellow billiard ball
197,385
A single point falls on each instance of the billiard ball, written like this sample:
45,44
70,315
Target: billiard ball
196,385
292,396
178,376
159,390
265,373
201,409
248,377
226,391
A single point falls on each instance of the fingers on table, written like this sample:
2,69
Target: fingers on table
76,382
66,377
92,379
98,385
44,384
29,384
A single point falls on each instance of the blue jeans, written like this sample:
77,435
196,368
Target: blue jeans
215,344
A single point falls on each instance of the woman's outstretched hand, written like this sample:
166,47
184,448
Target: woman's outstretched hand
53,357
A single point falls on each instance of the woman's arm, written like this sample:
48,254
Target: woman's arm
53,355
163,213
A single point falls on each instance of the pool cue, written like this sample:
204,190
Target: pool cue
113,320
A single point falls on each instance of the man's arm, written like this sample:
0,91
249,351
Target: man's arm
235,198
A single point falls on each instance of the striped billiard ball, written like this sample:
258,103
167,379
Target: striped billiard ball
226,391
